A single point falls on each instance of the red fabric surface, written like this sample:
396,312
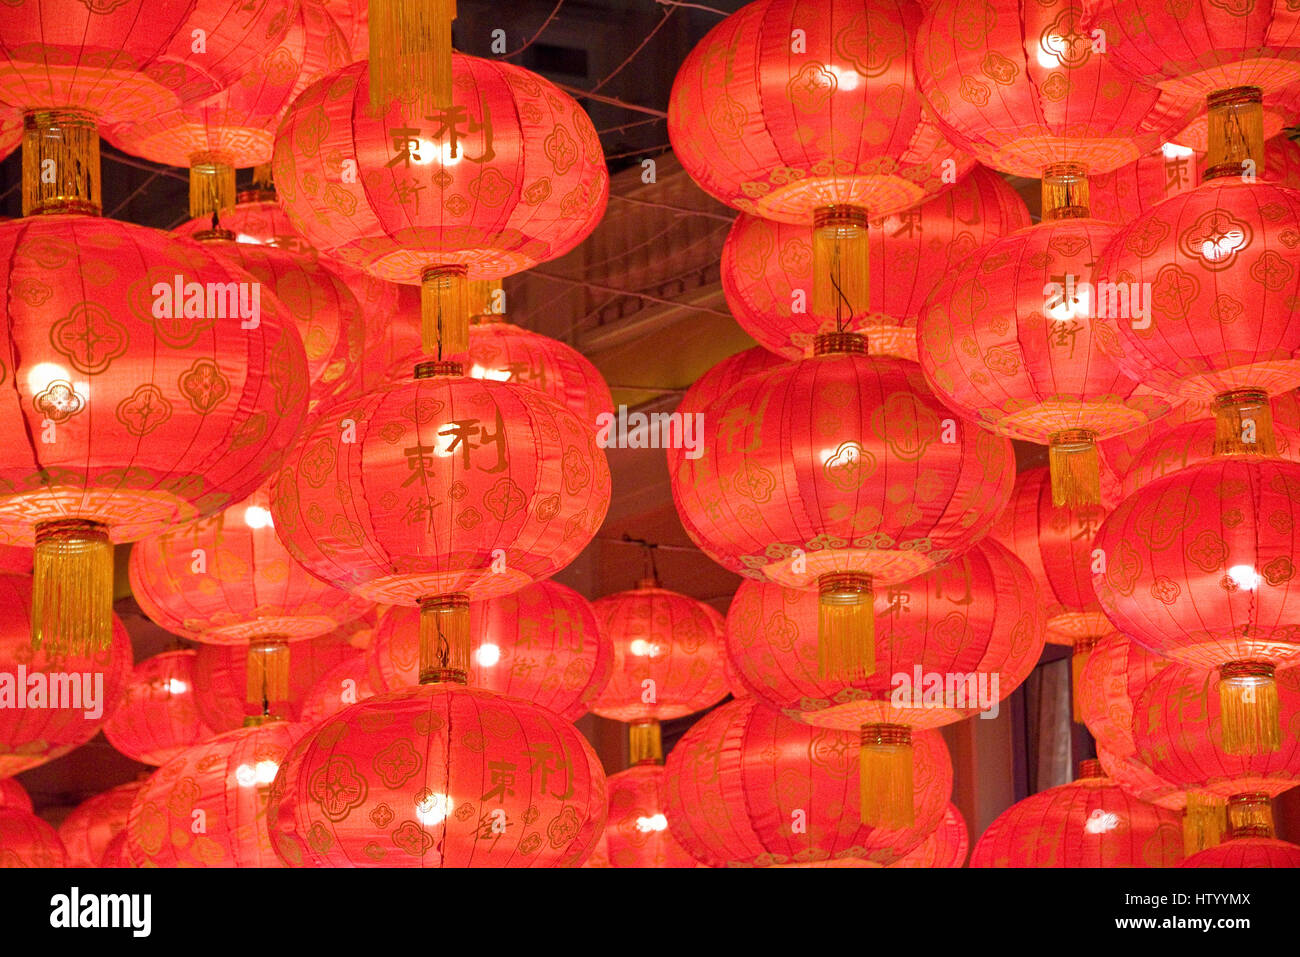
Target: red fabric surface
1248,852
94,824
946,846
158,717
27,841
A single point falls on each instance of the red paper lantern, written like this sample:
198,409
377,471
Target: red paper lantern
115,853
946,846
11,131
1248,852
94,823
12,795
418,777
543,643
27,841
636,830
1091,822
779,124
748,787
31,736
1124,194
150,420
767,267
1023,86
509,176
1116,674
840,472
342,686
1145,785
227,780
1198,569
158,718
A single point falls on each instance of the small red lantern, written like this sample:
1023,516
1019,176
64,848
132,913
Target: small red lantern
1089,823
158,718
224,783
636,830
94,823
946,846
27,841
13,795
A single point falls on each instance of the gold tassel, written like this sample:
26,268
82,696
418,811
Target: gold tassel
410,54
444,639
268,672
60,163
1243,423
1090,768
1075,468
444,310
1249,708
486,300
841,264
1204,819
1235,132
846,645
1250,815
1065,191
1079,661
645,742
885,776
262,176
72,587
212,183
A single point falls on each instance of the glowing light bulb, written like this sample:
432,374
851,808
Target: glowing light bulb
1174,151
1244,576
1074,303
656,822
487,655
246,775
496,375
245,238
265,771
433,808
643,649
257,517
176,686
428,152
1224,246
1050,51
845,79
1099,822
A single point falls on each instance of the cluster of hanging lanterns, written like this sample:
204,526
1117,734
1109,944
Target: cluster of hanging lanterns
348,478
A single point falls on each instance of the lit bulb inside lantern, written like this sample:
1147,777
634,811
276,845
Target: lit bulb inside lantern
252,775
1244,576
433,808
496,375
845,79
427,152
257,517
1099,822
1223,246
1050,51
1174,151
245,238
44,374
487,655
643,649
656,822
176,686
1074,303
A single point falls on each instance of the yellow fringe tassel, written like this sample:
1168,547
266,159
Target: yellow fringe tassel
444,310
1065,191
1243,423
645,742
1079,661
72,587
846,639
1235,132
444,639
841,264
60,163
212,183
1075,469
268,672
410,54
487,300
885,776
1204,821
1249,708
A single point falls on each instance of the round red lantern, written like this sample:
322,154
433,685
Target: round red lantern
419,777
38,732
946,846
841,472
1091,822
503,174
1198,568
342,686
950,644
13,795
1123,194
1024,86
224,783
158,718
1145,785
115,853
543,643
636,830
150,414
767,267
95,822
748,787
1115,675
453,489
27,841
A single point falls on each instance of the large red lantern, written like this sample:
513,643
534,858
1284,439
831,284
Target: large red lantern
946,846
747,787
636,830
1091,822
27,841
667,661
32,731
1198,568
1023,86
439,776
222,783
501,173
767,267
149,414
950,644
543,643
158,717
841,472
95,822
